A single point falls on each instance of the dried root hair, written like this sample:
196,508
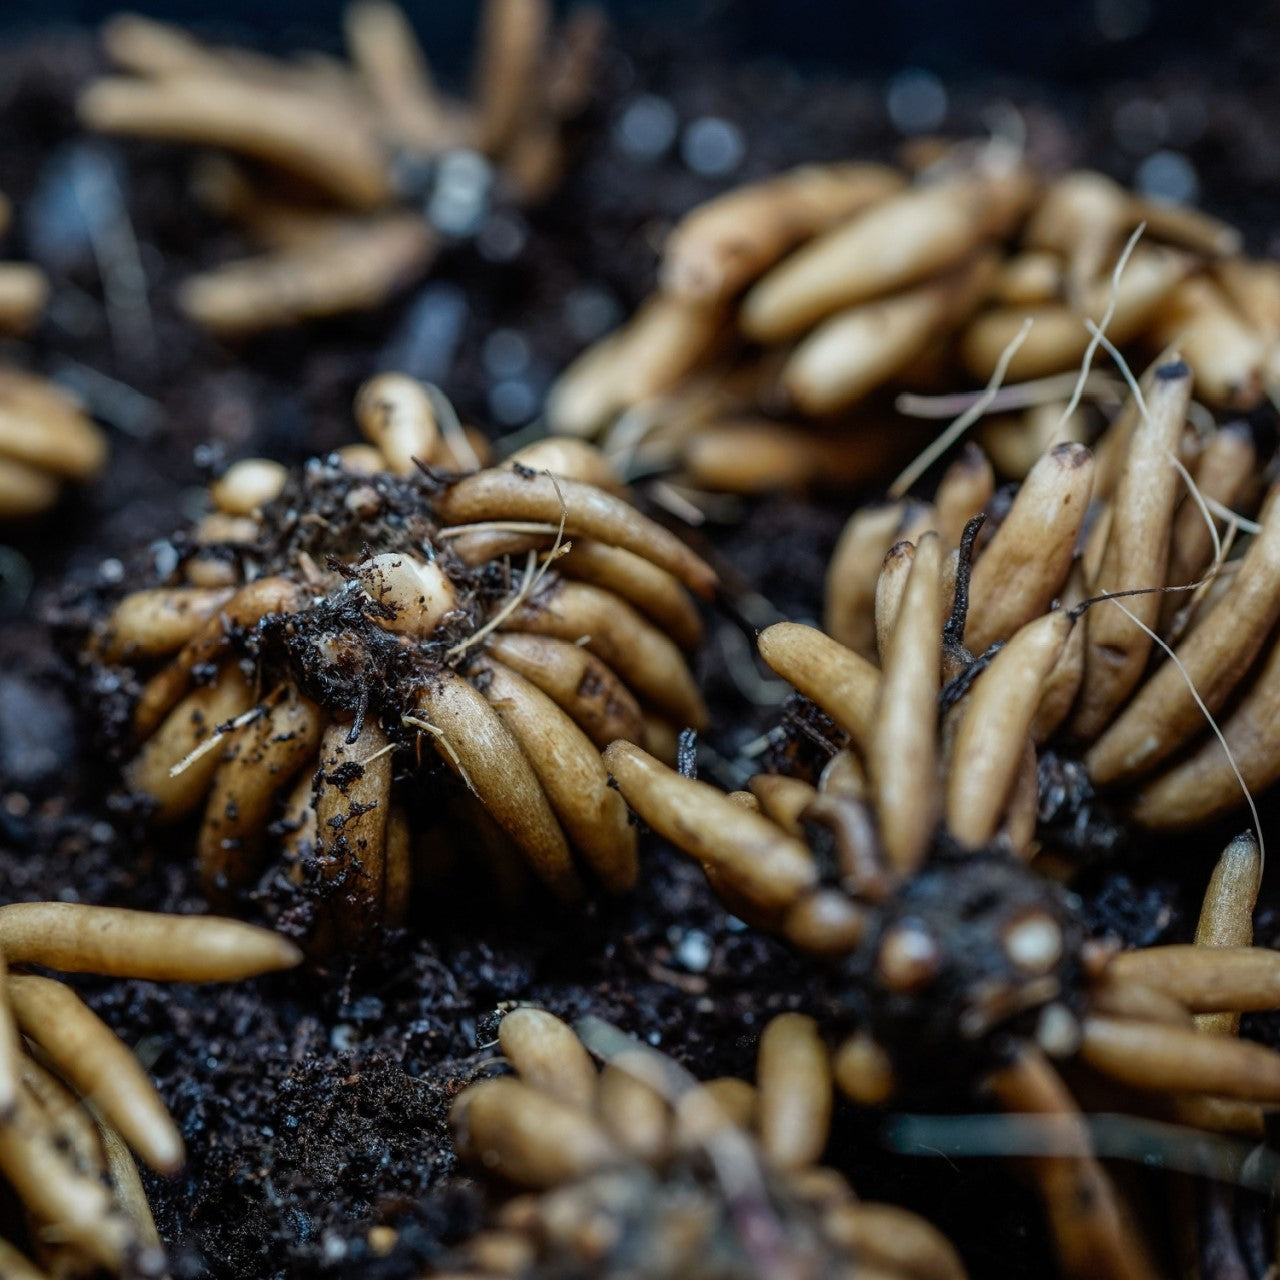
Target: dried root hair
412,640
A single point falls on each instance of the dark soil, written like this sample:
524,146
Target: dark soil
314,1105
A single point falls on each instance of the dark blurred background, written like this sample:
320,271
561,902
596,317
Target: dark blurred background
1068,41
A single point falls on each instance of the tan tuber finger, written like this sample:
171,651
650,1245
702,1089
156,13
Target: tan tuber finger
149,623
649,663
548,1056
248,606
390,62
793,1076
902,755
863,1071
758,455
783,799
1224,352
1204,784
589,513
352,803
509,63
525,1136
592,813
24,291
1135,555
1156,1056
1025,565
396,415
667,339
126,1185
1213,660
256,763
248,485
891,586
1225,469
851,353
118,943
1120,995
576,680
1219,979
852,573
725,243
1092,1234
78,1206
16,1266
87,1054
900,1243
571,458
25,490
1082,216
309,137
189,728
966,487
897,242
354,265
758,859
476,745
658,594
1058,338
1032,276
843,684
44,428
995,722
635,1114
1226,916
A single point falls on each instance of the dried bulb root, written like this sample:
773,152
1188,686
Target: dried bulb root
639,1155
352,671
349,160
788,308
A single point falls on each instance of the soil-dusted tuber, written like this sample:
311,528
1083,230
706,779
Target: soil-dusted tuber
350,176
906,865
1176,525
45,437
638,1171
789,310
74,1100
380,667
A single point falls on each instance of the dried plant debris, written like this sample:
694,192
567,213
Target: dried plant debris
45,437
350,176
637,1170
74,1100
789,310
380,666
1182,529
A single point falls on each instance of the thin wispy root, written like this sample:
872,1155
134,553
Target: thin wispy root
348,176
700,1179
73,1099
804,324
383,645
